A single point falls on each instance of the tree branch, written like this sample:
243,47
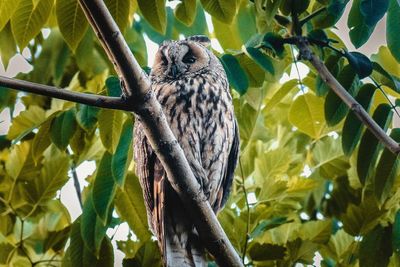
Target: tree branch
358,110
51,91
137,89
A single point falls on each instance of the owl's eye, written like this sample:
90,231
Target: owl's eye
189,58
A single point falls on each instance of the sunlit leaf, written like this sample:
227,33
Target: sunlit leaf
154,12
28,19
110,126
307,114
25,122
119,10
223,10
71,22
186,11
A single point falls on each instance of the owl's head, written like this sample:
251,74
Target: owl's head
178,59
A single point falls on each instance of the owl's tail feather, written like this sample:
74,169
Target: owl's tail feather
183,250
181,244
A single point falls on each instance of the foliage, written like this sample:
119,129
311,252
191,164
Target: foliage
310,179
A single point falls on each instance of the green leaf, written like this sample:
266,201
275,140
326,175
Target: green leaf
335,108
227,34
376,247
119,10
199,25
71,22
253,71
129,204
387,79
374,10
369,145
154,12
265,225
86,116
318,35
113,85
360,34
8,46
123,154
63,128
261,59
307,114
25,122
396,234
147,255
236,76
103,188
223,10
297,6
20,164
80,256
92,229
53,176
331,15
42,139
360,29
332,63
186,11
110,126
327,155
361,64
28,19
274,42
393,29
352,127
280,94
7,9
267,252
387,170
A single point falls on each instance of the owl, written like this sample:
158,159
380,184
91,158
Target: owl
192,88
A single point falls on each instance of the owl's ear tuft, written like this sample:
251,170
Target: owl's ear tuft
202,39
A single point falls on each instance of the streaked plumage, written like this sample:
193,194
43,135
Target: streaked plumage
191,86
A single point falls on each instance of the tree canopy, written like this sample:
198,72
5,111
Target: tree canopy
312,179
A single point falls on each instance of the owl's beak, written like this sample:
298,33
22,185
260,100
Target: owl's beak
174,72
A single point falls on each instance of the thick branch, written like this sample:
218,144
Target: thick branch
360,112
140,96
51,91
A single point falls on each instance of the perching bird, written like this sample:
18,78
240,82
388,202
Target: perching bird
192,88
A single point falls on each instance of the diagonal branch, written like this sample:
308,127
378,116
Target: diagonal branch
51,91
138,93
358,110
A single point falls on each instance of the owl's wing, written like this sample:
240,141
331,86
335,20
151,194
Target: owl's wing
223,195
152,176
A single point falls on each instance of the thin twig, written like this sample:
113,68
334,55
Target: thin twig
248,212
76,184
311,16
51,91
297,70
76,180
386,96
